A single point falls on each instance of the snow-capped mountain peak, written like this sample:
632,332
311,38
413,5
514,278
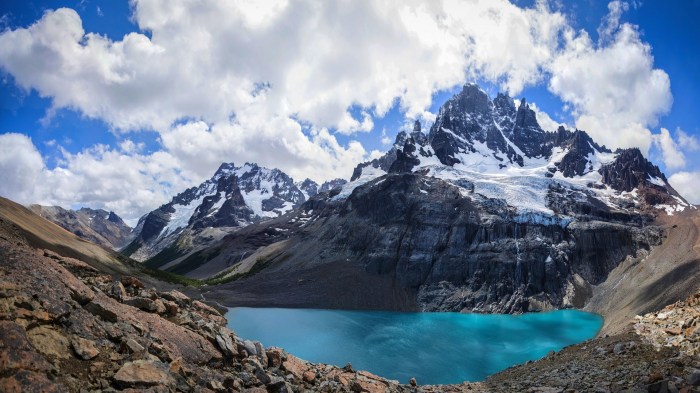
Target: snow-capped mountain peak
501,152
233,197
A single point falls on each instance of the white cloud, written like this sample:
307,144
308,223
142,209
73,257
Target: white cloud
386,141
266,81
20,162
686,141
546,122
672,155
687,184
206,60
129,184
613,88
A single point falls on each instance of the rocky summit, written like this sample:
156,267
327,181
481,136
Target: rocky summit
232,198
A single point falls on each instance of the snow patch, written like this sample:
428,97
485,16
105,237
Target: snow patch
369,173
656,181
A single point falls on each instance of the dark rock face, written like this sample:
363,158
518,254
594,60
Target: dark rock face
580,146
469,118
216,203
96,225
428,239
309,187
332,185
527,134
384,162
629,170
405,158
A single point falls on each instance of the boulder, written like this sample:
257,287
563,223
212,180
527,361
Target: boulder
132,282
132,346
225,343
118,291
50,341
100,308
295,366
171,308
205,308
143,373
16,352
142,303
693,377
85,349
309,376
274,357
177,297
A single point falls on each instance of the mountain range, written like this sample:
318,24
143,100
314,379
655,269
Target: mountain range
485,212
98,226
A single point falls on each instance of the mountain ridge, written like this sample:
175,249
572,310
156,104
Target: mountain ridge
485,213
96,225
232,198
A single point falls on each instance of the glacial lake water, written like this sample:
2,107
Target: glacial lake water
435,348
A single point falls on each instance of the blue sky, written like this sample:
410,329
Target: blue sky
69,129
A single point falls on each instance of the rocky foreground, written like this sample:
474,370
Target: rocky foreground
66,326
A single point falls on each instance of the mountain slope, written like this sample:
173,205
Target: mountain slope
43,234
98,226
488,212
231,199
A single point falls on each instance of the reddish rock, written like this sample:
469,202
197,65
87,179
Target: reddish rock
295,366
309,376
85,349
29,381
171,308
118,291
274,357
142,303
50,341
143,373
205,308
177,297
102,309
16,352
132,282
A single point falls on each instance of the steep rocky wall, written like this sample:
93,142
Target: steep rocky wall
428,240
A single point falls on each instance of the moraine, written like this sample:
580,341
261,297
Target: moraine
435,348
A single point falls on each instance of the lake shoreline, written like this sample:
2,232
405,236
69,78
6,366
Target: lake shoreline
452,347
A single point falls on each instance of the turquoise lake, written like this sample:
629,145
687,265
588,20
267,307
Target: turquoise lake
435,348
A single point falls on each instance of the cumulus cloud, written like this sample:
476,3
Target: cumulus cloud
100,177
545,121
672,155
686,141
271,82
687,184
615,92
20,162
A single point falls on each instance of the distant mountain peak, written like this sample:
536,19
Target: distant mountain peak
233,197
474,134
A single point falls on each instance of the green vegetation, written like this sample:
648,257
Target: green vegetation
166,255
131,248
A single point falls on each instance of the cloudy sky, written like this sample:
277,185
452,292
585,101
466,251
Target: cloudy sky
120,104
